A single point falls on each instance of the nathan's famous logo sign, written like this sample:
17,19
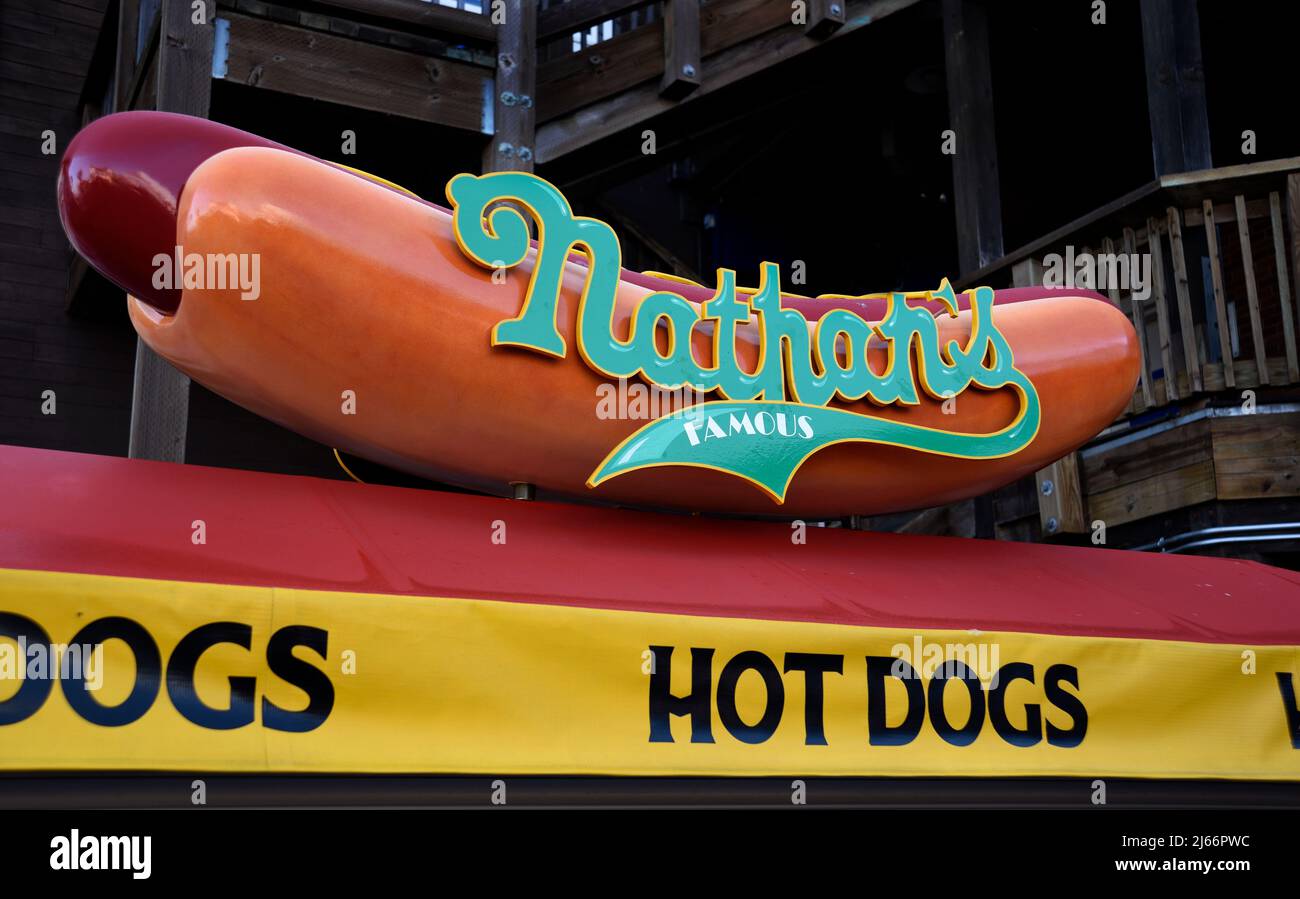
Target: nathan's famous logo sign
769,421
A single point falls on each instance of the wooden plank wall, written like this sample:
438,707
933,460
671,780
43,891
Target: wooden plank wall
45,51
1150,476
307,63
1257,456
1225,457
626,60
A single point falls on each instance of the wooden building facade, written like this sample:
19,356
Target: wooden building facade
944,133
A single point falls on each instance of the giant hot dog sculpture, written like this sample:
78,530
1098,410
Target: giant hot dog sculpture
447,344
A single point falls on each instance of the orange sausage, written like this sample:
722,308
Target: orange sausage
365,290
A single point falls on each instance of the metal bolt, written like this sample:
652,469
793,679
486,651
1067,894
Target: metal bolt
1047,488
836,9
526,154
508,98
525,101
523,490
506,149
1053,525
688,70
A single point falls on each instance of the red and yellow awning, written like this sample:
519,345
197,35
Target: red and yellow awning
333,627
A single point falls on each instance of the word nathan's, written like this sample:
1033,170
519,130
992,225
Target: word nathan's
771,419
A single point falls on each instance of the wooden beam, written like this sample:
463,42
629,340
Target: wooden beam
1061,508
574,80
1171,42
1245,374
1138,312
976,185
726,23
514,114
1252,291
1293,225
1059,489
1112,294
1186,324
185,58
160,408
160,395
1155,495
576,15
682,69
824,17
307,63
1160,294
1107,468
1284,288
626,60
1220,304
430,15
124,63
1246,177
1227,212
143,90
1254,455
567,128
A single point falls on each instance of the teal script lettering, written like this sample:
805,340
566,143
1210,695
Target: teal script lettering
768,421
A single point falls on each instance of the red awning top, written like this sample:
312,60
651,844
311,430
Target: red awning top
105,515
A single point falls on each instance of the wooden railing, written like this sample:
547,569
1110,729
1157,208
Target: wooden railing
1223,250
1222,246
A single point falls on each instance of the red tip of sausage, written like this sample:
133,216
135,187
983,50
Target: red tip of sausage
119,186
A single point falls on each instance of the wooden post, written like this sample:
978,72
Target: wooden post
1252,290
1180,129
824,17
970,116
1186,325
1284,288
1161,296
185,58
1138,313
1060,491
128,26
1220,304
1061,507
160,399
1112,293
681,49
1293,224
160,405
514,116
